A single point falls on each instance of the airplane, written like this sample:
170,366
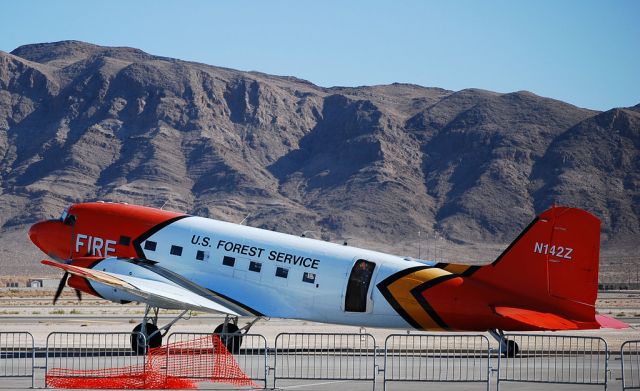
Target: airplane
547,279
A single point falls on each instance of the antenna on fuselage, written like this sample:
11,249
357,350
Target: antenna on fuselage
345,241
245,219
304,234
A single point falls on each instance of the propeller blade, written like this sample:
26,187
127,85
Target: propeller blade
63,282
79,294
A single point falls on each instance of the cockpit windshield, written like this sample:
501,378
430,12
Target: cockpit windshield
67,218
64,214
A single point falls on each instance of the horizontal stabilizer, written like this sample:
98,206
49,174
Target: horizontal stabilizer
541,320
606,322
157,293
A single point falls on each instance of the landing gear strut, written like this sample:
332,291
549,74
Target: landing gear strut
509,348
149,328
230,334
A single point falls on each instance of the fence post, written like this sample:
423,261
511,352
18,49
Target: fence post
342,353
463,358
630,370
556,359
18,349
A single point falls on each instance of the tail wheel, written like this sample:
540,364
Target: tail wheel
231,342
137,344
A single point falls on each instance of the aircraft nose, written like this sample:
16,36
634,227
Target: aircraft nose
51,237
36,233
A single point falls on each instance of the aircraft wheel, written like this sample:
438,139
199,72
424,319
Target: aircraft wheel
231,342
137,344
512,349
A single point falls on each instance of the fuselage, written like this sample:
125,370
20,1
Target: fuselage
275,274
265,273
268,273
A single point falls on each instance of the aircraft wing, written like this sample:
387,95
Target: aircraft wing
156,293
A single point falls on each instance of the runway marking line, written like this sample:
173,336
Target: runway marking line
315,384
90,321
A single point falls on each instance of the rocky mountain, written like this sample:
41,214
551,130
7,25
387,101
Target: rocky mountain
375,163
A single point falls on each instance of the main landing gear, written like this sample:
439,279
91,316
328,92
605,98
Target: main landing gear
229,332
509,348
149,328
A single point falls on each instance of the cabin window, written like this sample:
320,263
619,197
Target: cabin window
309,277
202,255
176,250
358,286
255,266
228,261
282,272
124,240
150,245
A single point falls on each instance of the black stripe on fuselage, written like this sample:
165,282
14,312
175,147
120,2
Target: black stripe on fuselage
469,272
417,294
506,250
383,287
252,311
137,243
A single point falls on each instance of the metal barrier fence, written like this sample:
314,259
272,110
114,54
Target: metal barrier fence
555,359
87,354
630,362
17,355
325,356
251,357
436,358
549,359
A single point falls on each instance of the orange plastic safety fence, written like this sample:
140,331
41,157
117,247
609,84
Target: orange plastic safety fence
180,365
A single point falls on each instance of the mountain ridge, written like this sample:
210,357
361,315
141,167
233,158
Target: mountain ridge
84,122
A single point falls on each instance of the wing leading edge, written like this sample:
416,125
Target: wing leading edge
156,293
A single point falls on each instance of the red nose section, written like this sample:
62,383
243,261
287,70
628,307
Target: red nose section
53,237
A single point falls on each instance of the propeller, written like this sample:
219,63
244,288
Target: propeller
63,282
65,277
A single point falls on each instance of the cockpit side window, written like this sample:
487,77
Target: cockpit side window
358,286
70,220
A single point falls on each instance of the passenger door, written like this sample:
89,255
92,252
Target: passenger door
356,297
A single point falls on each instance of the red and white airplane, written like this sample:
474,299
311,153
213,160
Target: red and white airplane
547,279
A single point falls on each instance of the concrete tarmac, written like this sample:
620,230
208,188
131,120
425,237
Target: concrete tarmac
330,385
39,318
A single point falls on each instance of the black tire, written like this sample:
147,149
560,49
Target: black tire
512,349
231,342
136,342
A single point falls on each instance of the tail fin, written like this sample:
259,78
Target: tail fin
554,260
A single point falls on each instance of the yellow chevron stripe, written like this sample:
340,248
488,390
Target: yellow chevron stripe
456,269
401,292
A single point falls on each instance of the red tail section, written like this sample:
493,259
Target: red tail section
552,264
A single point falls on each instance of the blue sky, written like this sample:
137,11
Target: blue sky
584,52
